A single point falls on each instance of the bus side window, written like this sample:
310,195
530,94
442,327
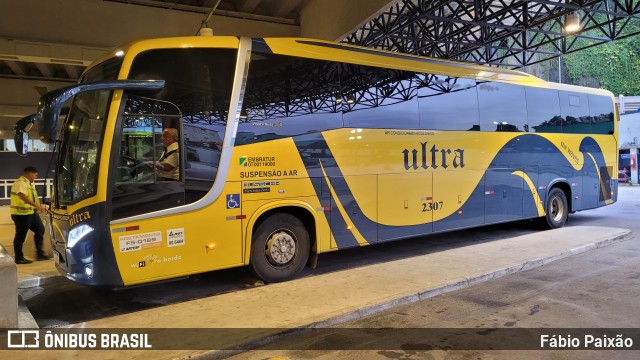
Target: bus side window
198,84
543,119
378,98
447,103
502,107
601,111
289,96
574,110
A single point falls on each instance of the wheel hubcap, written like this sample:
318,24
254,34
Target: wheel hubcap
281,248
557,209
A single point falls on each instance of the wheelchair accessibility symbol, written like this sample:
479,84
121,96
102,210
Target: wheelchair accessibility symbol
233,201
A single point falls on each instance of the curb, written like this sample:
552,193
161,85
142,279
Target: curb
35,280
25,319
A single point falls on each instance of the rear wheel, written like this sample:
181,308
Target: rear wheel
279,248
557,210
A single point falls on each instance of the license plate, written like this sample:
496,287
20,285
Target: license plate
56,257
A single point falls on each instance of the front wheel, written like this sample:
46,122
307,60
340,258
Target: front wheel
557,210
279,248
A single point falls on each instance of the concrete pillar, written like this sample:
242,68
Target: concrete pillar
8,291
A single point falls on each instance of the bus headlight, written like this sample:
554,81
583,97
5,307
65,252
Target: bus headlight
77,233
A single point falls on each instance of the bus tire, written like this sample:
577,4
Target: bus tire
279,247
557,210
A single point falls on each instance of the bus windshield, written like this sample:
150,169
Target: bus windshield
77,169
76,176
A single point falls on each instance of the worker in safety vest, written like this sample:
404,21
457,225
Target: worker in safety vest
24,202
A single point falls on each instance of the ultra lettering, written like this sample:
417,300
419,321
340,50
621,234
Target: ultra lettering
432,157
79,217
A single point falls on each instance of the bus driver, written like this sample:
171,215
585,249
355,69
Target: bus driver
168,166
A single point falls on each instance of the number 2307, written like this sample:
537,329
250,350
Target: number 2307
432,206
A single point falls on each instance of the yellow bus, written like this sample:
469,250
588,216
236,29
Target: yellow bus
292,147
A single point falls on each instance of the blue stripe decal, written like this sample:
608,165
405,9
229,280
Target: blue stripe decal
543,163
308,146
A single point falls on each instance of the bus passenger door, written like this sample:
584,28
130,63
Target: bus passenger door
503,195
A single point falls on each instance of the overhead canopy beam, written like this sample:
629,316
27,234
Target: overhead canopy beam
48,53
502,33
278,19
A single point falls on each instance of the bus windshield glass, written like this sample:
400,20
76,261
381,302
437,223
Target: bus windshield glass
77,173
78,166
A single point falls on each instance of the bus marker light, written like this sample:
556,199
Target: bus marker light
327,208
490,192
460,212
210,247
348,227
236,217
132,228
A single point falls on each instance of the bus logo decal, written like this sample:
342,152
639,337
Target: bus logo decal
433,157
79,217
243,160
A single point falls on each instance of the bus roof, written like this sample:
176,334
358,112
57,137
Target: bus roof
341,52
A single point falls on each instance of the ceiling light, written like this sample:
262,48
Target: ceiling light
572,22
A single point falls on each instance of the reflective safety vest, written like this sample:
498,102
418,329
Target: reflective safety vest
19,207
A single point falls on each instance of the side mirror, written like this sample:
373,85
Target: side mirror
21,139
21,134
